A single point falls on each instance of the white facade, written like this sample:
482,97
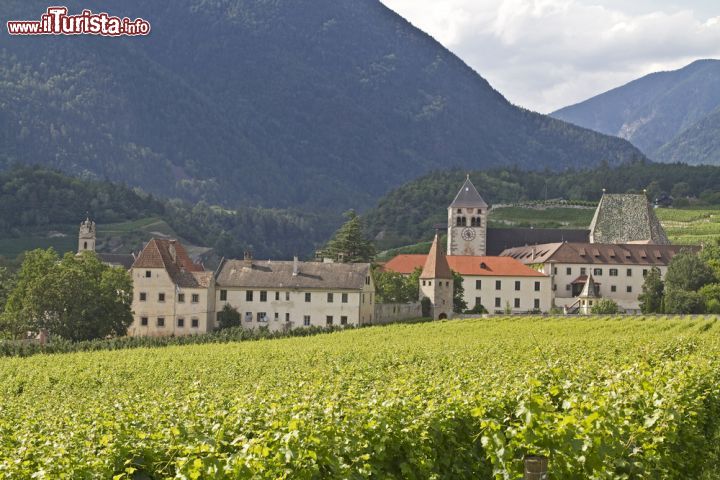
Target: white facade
292,308
619,283
162,308
500,294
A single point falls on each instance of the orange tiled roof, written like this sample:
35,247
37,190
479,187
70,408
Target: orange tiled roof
466,265
436,265
183,271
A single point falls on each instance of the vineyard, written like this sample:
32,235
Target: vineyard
603,398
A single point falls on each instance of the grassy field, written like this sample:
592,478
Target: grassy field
541,217
690,226
604,398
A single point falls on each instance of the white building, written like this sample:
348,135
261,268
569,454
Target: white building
618,270
172,295
285,295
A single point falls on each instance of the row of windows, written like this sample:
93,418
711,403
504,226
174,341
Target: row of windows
263,296
498,285
262,317
470,210
429,282
474,222
613,288
195,298
516,303
598,272
329,320
160,322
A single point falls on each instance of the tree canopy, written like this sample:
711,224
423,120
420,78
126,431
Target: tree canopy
349,243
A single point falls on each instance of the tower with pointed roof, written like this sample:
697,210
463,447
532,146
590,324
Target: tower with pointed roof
589,296
86,237
436,282
467,222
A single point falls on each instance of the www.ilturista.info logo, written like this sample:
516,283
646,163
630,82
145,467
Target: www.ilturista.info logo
56,21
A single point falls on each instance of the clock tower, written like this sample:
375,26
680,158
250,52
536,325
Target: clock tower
467,222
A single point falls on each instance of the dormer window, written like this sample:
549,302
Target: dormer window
459,210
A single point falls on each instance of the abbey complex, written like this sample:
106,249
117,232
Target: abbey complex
509,270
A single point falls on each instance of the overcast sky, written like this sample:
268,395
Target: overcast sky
546,54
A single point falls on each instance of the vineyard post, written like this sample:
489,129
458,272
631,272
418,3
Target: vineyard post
536,468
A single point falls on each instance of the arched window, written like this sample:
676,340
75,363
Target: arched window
464,221
85,246
459,222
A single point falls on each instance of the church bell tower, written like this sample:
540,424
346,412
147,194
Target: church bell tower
86,238
467,222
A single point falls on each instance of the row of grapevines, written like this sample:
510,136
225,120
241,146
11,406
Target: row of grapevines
603,398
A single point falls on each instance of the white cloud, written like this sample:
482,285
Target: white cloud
546,54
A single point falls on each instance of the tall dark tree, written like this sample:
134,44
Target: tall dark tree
688,271
651,298
349,243
459,303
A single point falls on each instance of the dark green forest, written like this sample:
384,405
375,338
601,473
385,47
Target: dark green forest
302,104
35,199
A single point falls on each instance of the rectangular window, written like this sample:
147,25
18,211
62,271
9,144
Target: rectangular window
277,296
555,288
263,296
629,289
537,286
537,304
568,271
181,322
478,284
517,286
306,320
613,272
161,297
143,296
160,322
144,321
568,287
498,302
195,298
478,301
262,317
308,298
181,298
330,297
287,317
517,303
498,284
583,271
629,272
645,272
223,295
344,298
277,316
287,296
424,283
329,320
249,296
148,274
248,316
613,288
343,320
554,270
195,323
597,272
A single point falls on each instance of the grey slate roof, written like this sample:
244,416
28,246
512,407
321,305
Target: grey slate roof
124,260
468,197
625,218
589,290
500,239
595,253
273,274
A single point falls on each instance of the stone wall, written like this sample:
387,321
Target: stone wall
393,312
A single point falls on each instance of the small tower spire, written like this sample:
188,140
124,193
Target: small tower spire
87,235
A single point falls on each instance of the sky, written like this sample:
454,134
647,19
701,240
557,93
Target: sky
547,54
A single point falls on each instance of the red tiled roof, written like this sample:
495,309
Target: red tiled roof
183,271
466,265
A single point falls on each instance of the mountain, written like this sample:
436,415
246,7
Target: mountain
671,116
318,104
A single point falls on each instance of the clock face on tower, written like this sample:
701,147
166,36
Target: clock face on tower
468,234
